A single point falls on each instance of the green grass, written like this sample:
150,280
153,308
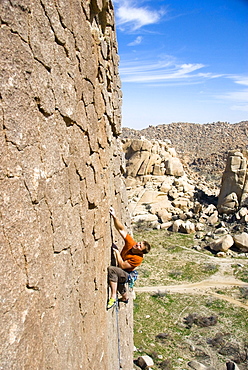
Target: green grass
241,271
155,314
165,239
170,263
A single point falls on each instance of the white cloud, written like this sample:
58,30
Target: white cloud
242,108
136,17
185,69
236,96
137,41
210,75
163,71
242,81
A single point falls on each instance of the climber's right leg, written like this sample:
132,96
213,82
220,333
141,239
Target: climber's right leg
117,279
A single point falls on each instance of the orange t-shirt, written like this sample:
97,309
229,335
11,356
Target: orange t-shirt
127,255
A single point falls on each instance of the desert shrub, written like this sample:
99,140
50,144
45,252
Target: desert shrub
234,352
201,354
162,337
165,365
244,292
241,272
218,340
175,274
201,321
159,294
210,267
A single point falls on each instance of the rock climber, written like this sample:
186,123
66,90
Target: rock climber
130,257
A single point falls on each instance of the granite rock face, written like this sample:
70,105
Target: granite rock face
158,188
234,187
144,157
61,169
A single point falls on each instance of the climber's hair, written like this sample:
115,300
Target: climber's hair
147,247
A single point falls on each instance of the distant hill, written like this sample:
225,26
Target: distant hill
202,147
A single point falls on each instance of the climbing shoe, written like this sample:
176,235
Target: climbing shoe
123,300
111,303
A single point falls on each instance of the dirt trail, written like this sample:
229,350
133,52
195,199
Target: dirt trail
219,280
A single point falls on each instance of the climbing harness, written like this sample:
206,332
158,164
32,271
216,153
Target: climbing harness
132,277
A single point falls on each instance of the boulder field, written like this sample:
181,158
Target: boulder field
162,195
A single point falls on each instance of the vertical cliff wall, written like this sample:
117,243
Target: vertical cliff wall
61,169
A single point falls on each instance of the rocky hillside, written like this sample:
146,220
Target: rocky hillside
203,147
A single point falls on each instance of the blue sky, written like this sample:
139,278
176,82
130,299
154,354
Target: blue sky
182,61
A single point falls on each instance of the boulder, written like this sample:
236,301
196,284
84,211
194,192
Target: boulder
234,180
199,366
183,216
189,214
229,204
188,188
176,225
158,169
222,244
166,225
144,157
164,215
181,203
221,231
148,360
159,206
213,219
140,362
199,226
144,362
221,254
173,167
230,365
243,211
153,196
137,210
148,217
241,241
156,182
173,193
242,214
166,186
244,197
187,227
210,209
137,163
197,208
203,218
172,152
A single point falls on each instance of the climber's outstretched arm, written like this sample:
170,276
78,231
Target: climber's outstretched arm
118,225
